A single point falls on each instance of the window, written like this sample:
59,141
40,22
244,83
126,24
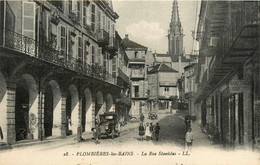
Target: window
29,19
70,6
99,20
108,27
93,54
93,10
58,4
105,60
86,51
63,40
80,56
136,89
166,89
104,22
136,54
84,13
78,10
70,46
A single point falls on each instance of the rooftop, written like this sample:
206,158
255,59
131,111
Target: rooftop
161,68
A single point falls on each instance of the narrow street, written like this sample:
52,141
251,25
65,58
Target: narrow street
128,147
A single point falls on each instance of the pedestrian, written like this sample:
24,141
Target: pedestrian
157,131
151,130
147,131
141,131
187,122
142,118
95,134
189,139
69,126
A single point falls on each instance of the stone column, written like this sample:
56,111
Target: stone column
11,93
93,113
79,129
63,116
41,133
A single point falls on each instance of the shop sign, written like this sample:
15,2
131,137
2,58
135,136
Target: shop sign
237,86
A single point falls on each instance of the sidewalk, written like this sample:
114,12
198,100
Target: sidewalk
200,138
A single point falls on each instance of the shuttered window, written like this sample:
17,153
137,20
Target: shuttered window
93,19
29,19
80,56
93,54
84,13
70,6
63,40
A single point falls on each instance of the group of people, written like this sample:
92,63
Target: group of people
149,131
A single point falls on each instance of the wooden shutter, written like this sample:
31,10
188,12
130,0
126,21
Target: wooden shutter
29,19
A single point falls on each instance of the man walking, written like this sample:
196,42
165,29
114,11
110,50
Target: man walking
157,131
189,139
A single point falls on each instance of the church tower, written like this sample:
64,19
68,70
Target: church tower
175,34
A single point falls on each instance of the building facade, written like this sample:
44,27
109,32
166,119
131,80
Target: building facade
190,86
59,67
138,75
162,88
228,71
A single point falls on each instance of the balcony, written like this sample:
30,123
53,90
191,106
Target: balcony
28,46
137,61
167,84
137,74
113,45
123,76
238,41
103,37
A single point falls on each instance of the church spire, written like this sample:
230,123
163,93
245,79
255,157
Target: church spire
175,19
175,35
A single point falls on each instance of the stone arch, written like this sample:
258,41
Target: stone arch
109,103
72,107
99,103
3,105
26,108
52,109
87,110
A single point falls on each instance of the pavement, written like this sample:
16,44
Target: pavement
73,138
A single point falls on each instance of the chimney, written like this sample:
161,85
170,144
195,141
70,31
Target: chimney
126,36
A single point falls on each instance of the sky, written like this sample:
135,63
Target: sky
147,22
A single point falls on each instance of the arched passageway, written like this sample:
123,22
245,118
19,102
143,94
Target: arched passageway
72,109
99,103
3,105
52,109
86,111
26,108
109,103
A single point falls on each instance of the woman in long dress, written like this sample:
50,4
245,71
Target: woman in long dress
147,131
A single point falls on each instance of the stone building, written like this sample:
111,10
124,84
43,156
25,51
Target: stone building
58,63
162,88
190,86
138,75
228,72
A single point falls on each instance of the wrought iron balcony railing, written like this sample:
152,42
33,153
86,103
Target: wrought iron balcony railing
28,46
244,17
103,37
113,44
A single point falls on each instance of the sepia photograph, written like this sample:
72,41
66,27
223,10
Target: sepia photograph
126,82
